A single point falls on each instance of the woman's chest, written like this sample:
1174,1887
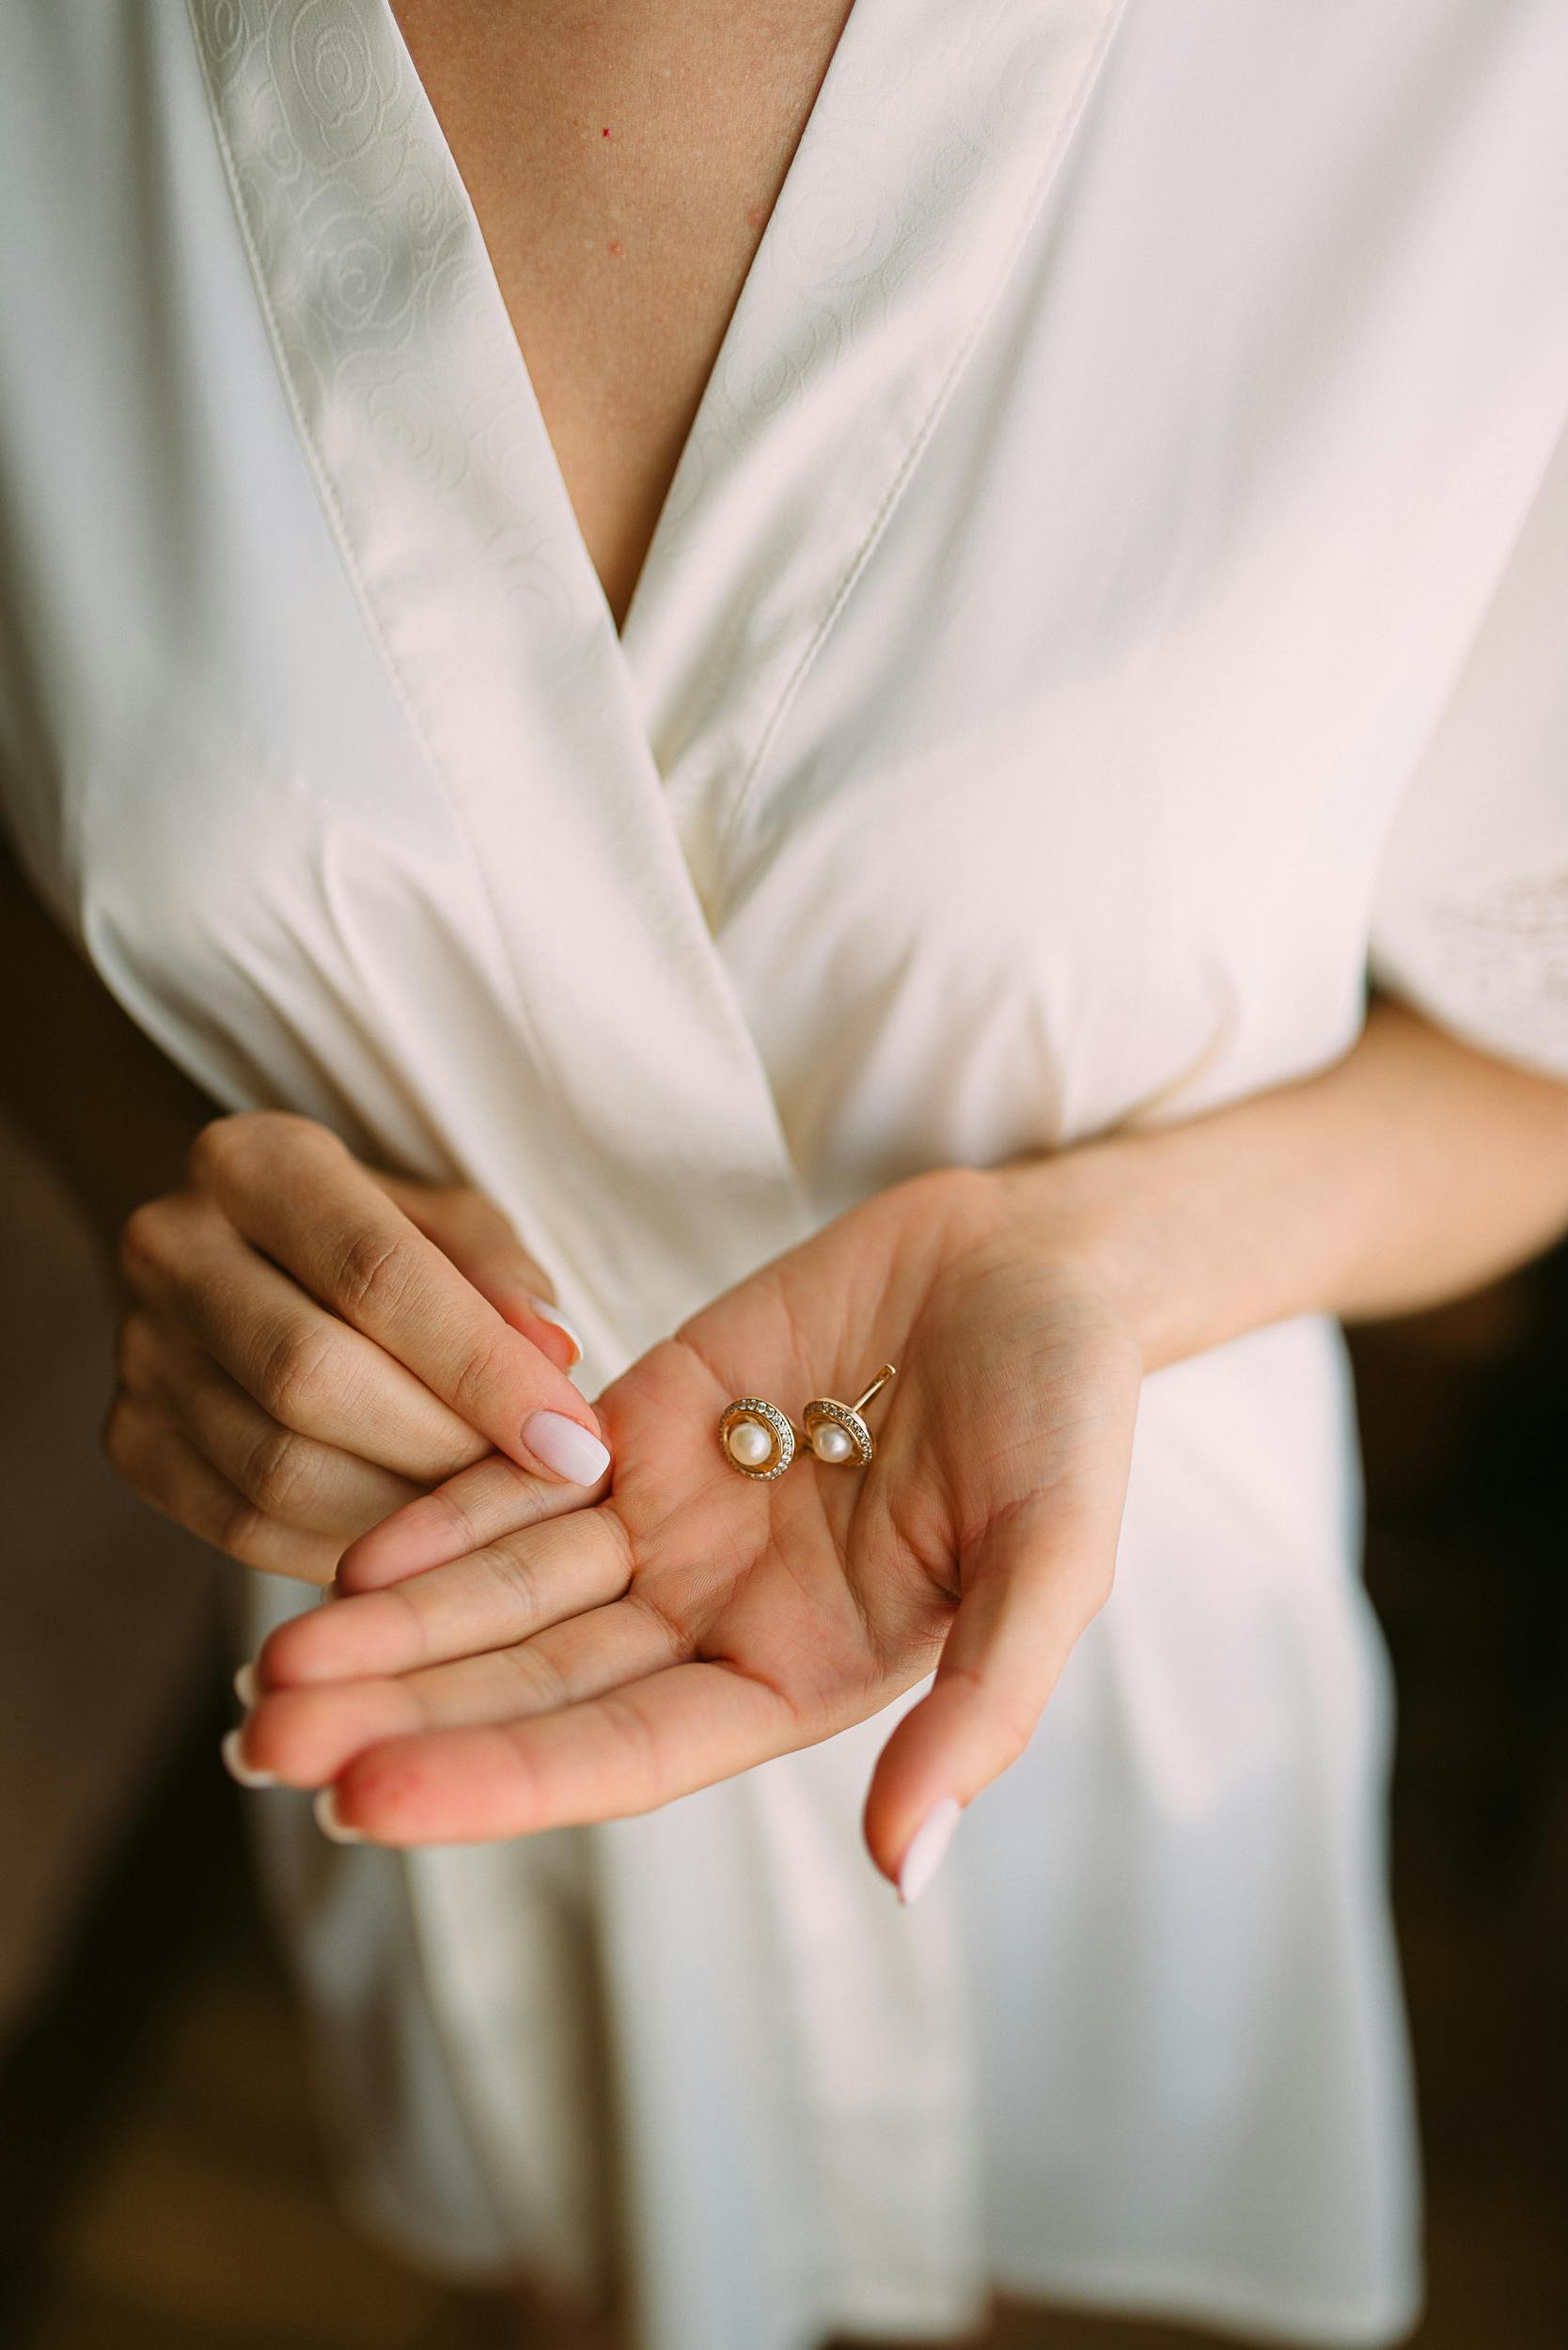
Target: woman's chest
623,168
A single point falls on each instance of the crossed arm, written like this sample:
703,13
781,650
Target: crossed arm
329,1371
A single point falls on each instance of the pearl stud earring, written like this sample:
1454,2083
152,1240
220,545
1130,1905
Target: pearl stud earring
835,1432
755,1436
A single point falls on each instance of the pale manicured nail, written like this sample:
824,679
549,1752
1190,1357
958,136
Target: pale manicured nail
926,1847
547,1312
246,1687
237,1767
325,1809
566,1446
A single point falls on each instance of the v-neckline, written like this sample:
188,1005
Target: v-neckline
673,503
934,135
589,785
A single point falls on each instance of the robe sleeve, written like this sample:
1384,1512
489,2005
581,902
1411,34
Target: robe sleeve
1469,916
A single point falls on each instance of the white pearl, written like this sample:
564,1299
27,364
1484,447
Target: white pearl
749,1442
830,1442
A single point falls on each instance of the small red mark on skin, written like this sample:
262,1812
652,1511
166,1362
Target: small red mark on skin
606,131
616,249
755,214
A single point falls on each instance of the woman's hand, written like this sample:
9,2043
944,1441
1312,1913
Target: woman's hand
694,1621
311,1343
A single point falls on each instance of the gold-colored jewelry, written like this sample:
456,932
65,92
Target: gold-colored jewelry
757,1438
835,1432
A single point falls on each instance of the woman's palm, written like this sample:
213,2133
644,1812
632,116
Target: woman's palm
600,1660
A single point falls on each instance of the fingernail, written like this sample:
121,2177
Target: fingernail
325,1809
547,1312
237,1767
926,1847
565,1446
246,1687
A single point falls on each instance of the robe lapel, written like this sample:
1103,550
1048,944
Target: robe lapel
936,138
936,134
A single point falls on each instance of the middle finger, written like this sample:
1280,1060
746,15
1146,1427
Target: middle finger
310,1372
503,1593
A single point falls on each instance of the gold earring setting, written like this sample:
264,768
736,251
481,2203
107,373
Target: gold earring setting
760,1441
835,1432
757,1438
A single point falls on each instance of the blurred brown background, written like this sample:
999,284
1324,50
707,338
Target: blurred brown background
160,2181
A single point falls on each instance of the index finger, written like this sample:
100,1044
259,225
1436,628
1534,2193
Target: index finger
295,1191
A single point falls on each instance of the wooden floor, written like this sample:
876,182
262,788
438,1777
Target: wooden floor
161,2187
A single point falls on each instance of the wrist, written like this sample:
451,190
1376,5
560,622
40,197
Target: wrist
1100,1213
1078,1215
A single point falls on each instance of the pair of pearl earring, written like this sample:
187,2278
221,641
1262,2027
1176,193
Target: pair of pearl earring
760,1441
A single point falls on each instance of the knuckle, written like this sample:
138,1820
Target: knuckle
677,1638
463,1535
218,1147
1009,1718
480,1370
136,1351
286,1648
1013,1727
644,1757
291,1131
541,1686
141,1249
241,1531
298,1370
515,1582
279,1474
228,1149
373,1275
436,1460
126,1442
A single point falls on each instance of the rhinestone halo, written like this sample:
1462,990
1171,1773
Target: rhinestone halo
756,1407
823,1407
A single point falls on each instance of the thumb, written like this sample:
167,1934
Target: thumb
470,1230
1036,1578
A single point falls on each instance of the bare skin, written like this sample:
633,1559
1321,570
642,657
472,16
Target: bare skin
622,163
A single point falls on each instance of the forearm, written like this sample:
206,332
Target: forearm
1411,1171
100,1102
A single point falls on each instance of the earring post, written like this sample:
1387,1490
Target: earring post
881,1380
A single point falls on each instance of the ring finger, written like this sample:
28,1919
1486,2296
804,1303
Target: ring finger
493,1599
159,1461
296,1478
304,1736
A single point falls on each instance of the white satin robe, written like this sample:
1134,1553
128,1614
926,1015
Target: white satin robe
1114,588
